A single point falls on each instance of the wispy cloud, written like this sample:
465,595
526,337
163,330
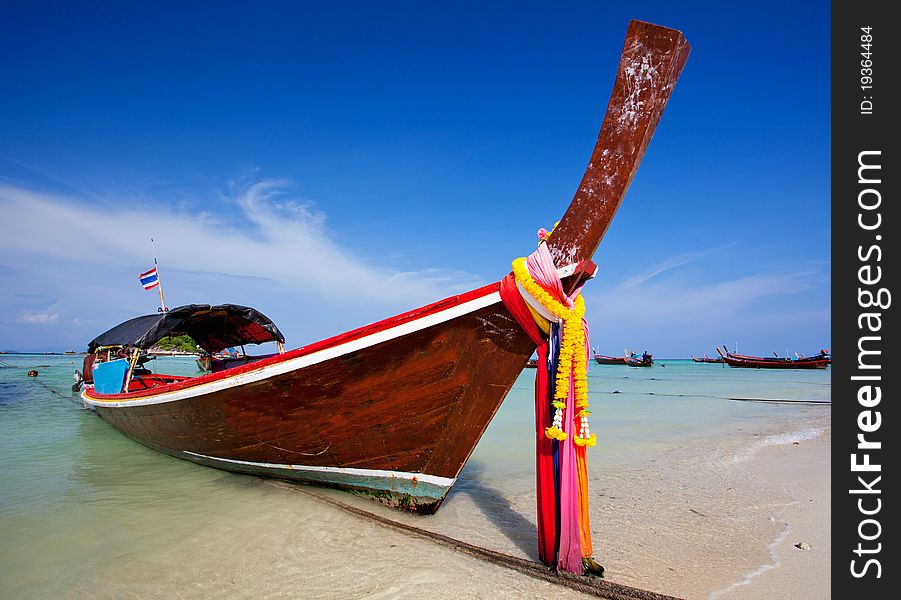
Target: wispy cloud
673,262
679,307
39,318
254,243
687,299
277,237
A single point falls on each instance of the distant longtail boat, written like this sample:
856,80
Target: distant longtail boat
818,361
603,359
706,359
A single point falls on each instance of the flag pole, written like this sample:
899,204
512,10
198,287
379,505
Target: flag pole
159,285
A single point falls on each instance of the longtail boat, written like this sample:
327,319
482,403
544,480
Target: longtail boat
603,359
743,361
395,408
707,359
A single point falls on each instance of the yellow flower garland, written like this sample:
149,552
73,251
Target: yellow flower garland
572,357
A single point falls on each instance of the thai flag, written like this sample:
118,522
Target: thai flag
149,279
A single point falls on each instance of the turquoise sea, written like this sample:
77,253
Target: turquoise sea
86,512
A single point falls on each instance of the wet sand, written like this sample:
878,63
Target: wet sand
716,522
802,470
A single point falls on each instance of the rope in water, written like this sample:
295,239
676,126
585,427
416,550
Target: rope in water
742,399
46,386
76,401
592,586
11,366
68,397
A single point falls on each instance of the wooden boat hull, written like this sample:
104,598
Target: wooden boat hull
392,410
742,363
610,360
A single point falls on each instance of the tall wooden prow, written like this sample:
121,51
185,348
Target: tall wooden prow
652,60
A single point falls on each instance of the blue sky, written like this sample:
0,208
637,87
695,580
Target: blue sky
334,165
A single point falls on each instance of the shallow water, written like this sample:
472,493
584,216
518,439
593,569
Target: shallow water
84,511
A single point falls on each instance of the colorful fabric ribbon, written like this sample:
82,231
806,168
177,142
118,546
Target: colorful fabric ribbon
544,449
564,531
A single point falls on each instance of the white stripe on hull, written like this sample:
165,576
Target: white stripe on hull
445,482
301,362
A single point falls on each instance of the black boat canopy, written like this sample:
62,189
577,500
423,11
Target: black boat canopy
212,327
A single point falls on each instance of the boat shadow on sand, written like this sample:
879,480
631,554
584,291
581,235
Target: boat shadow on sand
496,507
